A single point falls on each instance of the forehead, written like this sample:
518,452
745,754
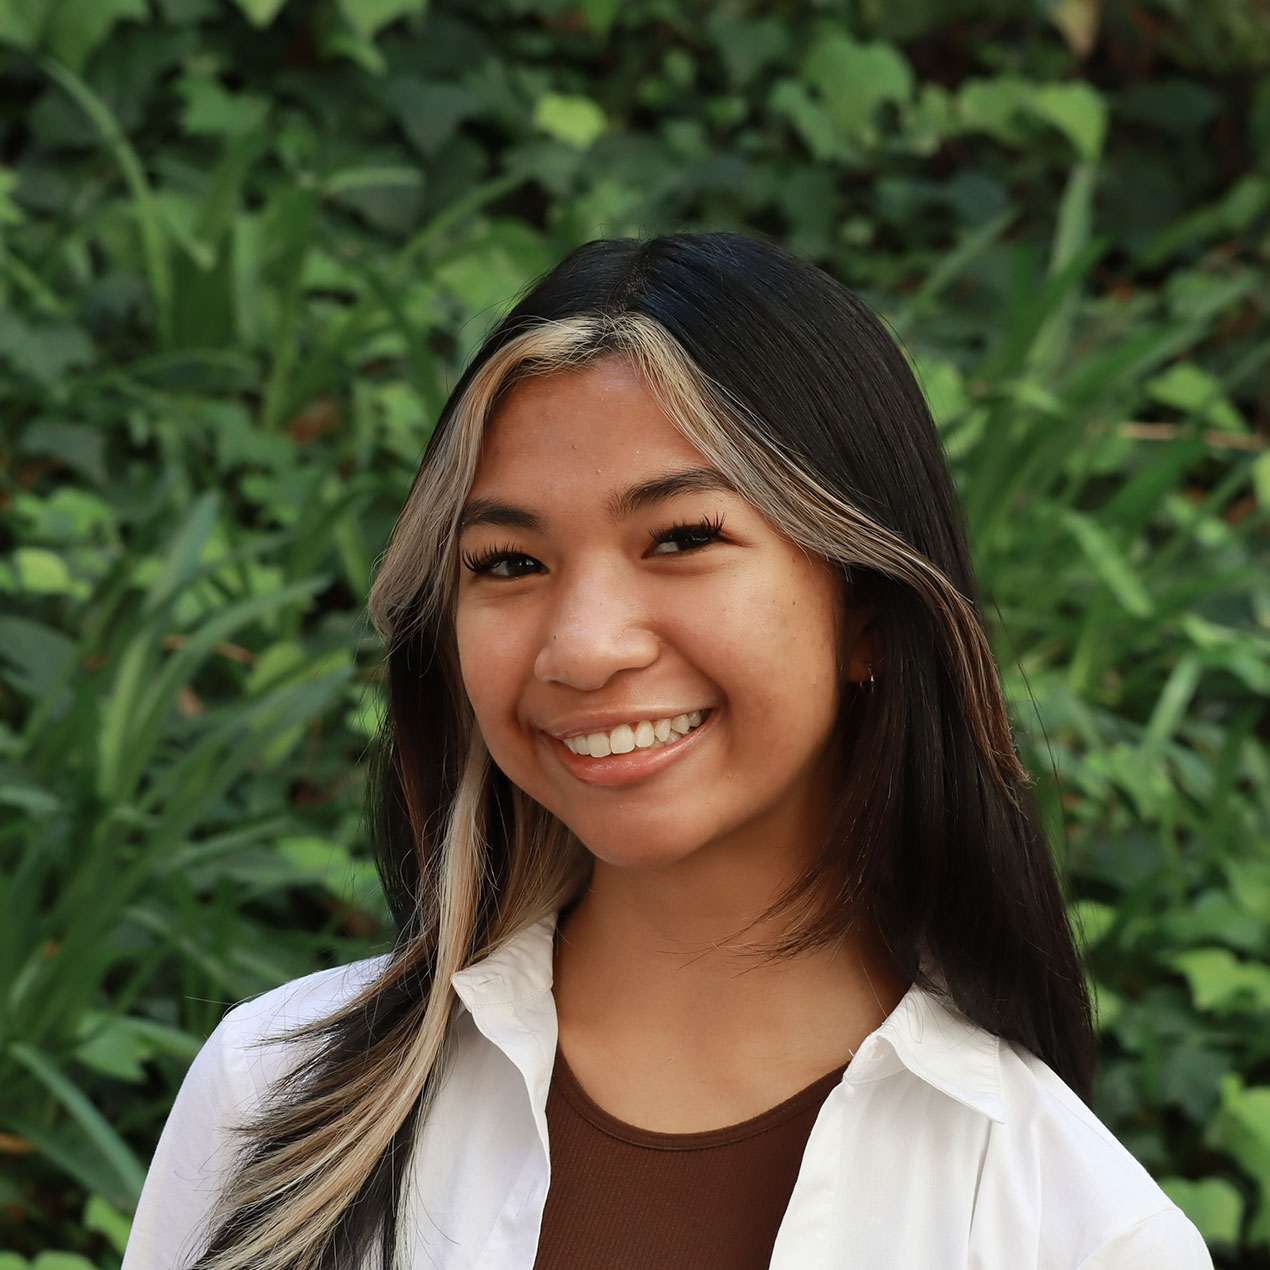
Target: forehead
596,427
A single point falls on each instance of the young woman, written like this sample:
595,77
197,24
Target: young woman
728,933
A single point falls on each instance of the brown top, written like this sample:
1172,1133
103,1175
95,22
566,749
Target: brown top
624,1198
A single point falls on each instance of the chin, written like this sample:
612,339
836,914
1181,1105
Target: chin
656,841
661,856
639,848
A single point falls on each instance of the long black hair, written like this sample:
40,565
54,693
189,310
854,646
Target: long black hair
787,381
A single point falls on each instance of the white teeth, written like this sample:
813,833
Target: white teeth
643,735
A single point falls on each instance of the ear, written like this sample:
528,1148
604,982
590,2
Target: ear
859,663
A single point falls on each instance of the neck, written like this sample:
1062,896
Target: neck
674,964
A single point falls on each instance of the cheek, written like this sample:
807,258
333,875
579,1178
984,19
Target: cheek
770,647
490,662
792,628
795,657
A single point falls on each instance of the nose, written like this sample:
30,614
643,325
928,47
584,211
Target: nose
597,627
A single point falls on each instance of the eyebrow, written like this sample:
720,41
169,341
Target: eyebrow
692,480
489,511
636,498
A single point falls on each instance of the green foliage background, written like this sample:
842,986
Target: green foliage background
244,249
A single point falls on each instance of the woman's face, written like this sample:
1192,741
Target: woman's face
646,656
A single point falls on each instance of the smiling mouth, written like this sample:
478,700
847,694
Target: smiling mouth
647,734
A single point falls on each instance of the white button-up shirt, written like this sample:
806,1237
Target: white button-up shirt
942,1148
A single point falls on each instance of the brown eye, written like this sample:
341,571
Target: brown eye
501,563
681,538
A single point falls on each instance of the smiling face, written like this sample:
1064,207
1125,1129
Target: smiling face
646,656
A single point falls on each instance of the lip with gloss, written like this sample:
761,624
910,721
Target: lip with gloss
629,753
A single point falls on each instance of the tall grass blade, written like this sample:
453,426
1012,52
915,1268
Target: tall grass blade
113,1150
154,244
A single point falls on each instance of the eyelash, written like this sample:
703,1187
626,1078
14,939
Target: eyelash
689,535
486,560
705,531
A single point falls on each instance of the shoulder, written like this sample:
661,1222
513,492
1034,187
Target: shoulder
247,1055
1092,1203
1013,1155
255,1035
307,999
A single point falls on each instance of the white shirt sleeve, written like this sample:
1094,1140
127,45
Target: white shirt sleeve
243,1061
1166,1241
195,1154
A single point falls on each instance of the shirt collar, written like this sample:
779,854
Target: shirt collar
508,994
940,1046
518,970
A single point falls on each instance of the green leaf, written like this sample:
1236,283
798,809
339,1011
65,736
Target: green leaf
111,1047
76,27
370,16
577,121
1242,653
67,515
106,1220
118,1045
187,540
79,447
1250,884
330,865
1213,1204
809,119
348,43
486,270
745,44
38,803
1232,214
1093,920
1078,21
1261,479
1242,1129
10,212
1222,984
1173,701
45,351
37,655
43,572
1108,1006
994,106
1076,109
260,12
367,716
1109,563
211,110
855,79
22,23
1190,388
277,663
112,1149
153,241
600,14
954,264
61,1261
430,113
